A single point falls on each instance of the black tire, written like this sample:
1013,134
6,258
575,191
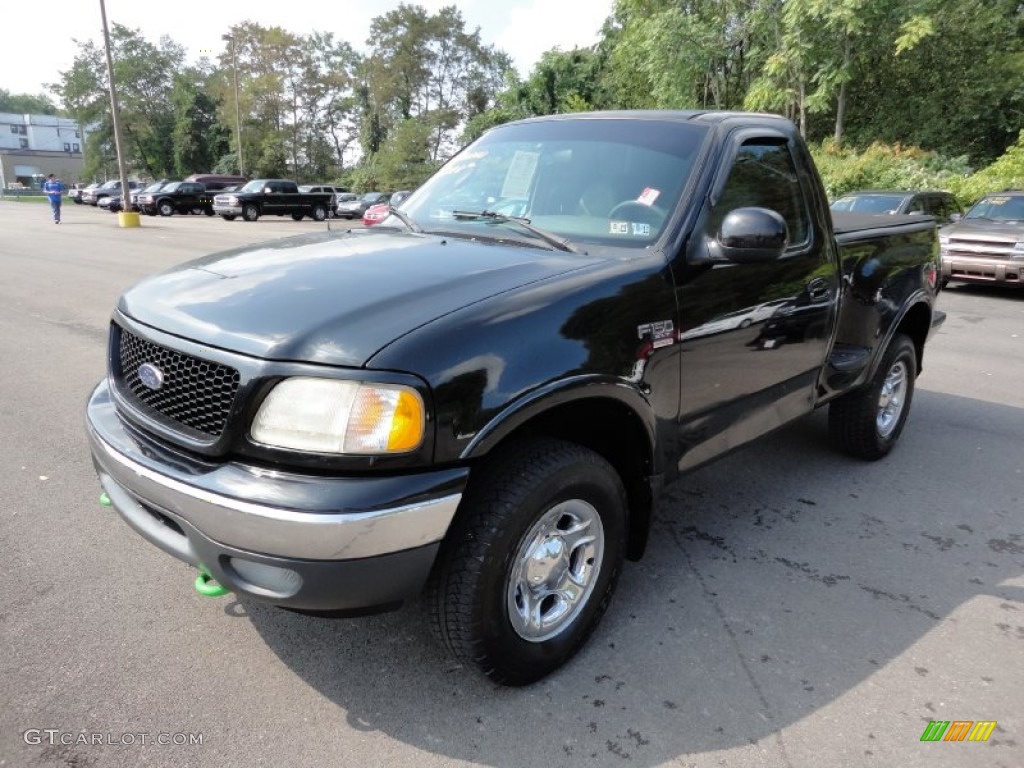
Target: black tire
319,213
520,501
297,216
208,211
867,423
228,216
165,208
746,322
250,212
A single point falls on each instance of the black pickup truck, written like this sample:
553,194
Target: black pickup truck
274,197
482,397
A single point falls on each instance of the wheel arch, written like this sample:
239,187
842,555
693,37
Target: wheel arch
613,420
916,323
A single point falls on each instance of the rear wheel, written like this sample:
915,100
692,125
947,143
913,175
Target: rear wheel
531,563
297,216
319,213
228,216
868,422
250,212
208,211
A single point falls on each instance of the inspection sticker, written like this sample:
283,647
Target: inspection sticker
648,196
643,230
618,227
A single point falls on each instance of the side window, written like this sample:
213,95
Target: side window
764,175
916,205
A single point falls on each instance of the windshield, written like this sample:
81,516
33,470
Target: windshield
171,187
254,186
373,197
868,203
998,208
609,181
154,186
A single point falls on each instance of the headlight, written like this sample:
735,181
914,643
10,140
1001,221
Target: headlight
1019,247
943,239
332,416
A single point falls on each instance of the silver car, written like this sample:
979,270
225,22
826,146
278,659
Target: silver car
987,244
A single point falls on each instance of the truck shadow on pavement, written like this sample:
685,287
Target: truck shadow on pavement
776,581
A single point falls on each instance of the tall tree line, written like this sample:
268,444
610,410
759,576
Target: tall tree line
937,74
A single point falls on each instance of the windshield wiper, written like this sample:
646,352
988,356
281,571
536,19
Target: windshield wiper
405,219
553,240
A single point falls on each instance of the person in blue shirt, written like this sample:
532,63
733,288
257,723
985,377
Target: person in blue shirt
54,190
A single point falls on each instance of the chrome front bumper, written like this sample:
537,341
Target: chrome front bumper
333,532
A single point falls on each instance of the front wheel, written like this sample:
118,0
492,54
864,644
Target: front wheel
297,216
250,212
228,216
531,563
867,423
165,208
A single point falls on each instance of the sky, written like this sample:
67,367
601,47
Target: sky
38,36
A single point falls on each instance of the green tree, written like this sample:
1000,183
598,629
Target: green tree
198,139
26,104
145,74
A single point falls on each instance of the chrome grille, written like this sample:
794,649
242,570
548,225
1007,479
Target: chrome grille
196,393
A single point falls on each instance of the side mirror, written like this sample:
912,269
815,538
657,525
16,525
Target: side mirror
750,235
267,190
955,217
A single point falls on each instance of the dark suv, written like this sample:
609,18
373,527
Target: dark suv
177,197
942,205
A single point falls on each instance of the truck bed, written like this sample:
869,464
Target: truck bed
856,226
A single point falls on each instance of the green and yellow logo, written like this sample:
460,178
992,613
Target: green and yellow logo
958,730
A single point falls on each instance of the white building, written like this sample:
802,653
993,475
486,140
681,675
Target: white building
32,146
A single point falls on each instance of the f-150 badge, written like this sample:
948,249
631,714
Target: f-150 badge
660,333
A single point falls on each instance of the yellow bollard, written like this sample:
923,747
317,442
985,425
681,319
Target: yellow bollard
129,219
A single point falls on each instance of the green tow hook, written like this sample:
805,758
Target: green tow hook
105,500
206,586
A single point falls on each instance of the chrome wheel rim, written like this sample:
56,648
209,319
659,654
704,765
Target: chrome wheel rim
554,570
892,398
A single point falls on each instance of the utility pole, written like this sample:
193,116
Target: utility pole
238,113
131,219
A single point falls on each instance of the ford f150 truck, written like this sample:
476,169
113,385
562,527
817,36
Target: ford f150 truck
484,406
275,197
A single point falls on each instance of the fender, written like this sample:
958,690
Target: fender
917,297
562,392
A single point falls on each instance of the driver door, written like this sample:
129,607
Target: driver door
753,337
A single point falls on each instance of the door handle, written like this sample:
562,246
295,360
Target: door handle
819,288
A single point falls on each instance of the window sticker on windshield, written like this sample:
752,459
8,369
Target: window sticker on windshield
998,200
641,229
648,196
520,174
618,227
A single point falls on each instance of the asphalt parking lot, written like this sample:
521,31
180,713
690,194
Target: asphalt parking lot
795,607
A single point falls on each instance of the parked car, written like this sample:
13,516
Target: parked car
987,244
145,194
335,191
177,197
354,209
943,206
76,190
375,214
488,410
399,196
344,197
93,196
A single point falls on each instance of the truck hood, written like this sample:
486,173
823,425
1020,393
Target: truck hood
333,298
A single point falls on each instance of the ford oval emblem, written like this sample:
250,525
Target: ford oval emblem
151,376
